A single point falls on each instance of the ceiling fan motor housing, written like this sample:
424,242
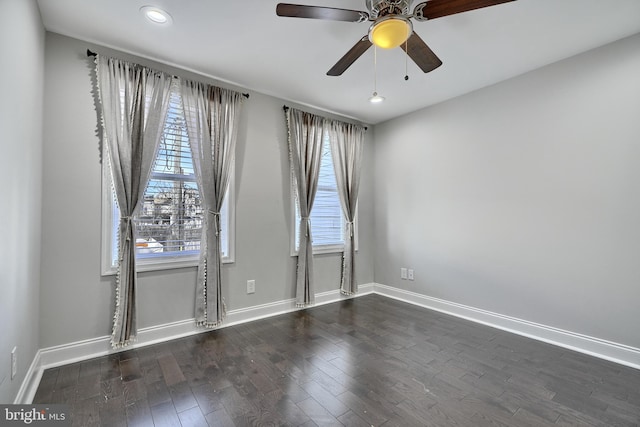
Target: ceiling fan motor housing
379,8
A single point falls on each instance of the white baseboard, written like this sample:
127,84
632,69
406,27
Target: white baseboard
87,349
30,383
95,347
614,352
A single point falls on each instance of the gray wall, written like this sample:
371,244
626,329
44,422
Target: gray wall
21,82
522,198
76,302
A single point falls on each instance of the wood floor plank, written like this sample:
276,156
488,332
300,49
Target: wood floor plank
134,391
361,362
288,411
138,414
208,398
86,412
351,419
165,415
317,413
192,418
68,376
170,370
219,418
182,396
130,369
321,395
112,412
157,393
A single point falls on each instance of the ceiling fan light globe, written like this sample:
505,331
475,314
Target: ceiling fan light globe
390,32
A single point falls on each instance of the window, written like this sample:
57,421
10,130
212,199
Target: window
169,222
327,219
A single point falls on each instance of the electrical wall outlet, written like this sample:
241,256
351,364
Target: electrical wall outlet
410,274
251,286
14,362
403,273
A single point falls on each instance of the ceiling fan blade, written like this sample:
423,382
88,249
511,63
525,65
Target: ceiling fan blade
424,57
350,57
319,12
438,8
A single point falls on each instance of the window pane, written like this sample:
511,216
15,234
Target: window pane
170,219
169,222
327,222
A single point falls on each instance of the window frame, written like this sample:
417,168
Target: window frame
152,263
319,249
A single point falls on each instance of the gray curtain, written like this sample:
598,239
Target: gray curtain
212,123
134,102
347,141
306,135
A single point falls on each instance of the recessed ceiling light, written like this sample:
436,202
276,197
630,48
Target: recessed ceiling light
156,15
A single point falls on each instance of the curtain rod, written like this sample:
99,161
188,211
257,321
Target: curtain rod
91,53
286,108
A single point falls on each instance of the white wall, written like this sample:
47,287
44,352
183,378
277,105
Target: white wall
21,82
76,302
522,198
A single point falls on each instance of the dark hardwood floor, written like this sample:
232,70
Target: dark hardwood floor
370,361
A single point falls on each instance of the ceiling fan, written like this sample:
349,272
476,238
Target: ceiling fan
391,25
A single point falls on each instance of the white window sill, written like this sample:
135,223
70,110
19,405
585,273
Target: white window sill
326,249
166,264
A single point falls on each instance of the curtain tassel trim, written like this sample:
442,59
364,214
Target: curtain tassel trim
209,325
303,304
205,323
132,338
116,316
343,291
127,343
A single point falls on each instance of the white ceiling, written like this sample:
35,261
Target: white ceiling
243,42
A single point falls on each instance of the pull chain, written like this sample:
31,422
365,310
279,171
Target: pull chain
406,59
375,98
375,70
